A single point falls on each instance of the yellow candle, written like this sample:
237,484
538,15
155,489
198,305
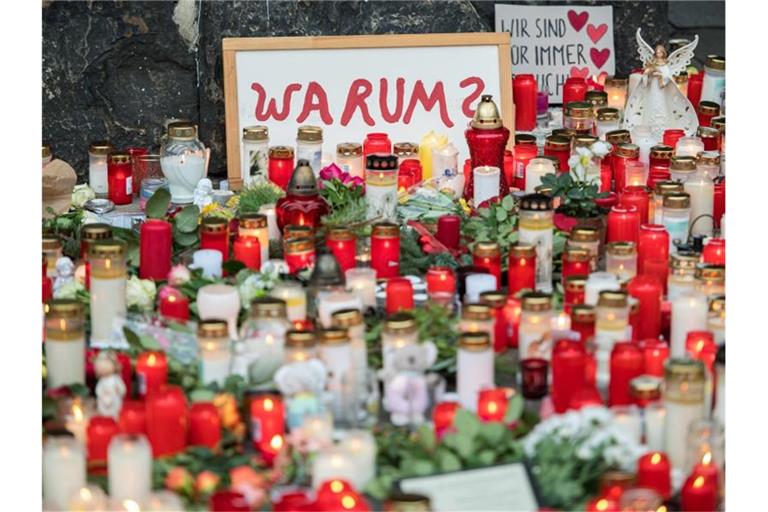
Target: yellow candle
429,142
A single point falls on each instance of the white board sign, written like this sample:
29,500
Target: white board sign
404,85
554,42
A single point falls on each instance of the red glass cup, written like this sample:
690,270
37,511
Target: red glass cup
399,295
376,142
534,377
623,224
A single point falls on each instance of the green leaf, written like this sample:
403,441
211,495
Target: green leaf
486,457
508,202
466,423
132,338
201,395
149,343
157,205
501,214
186,220
461,443
185,239
514,408
447,461
492,432
427,437
233,266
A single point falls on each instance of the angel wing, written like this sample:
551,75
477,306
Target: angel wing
644,49
681,58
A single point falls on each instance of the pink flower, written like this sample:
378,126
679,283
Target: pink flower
206,482
179,275
255,496
246,475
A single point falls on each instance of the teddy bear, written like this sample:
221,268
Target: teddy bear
406,395
303,383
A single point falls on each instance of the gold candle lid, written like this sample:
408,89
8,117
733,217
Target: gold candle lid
333,336
568,133
339,233
213,225
300,339
624,248
718,123
626,150
400,323
407,502
612,299
299,245
255,133
525,138
677,200
252,221
486,114
572,253
494,298
346,318
120,158
309,133
706,272
708,132
182,130
349,149
709,108
292,231
476,311
578,109
65,308
617,137
596,97
486,250
681,78
682,163
557,142
709,158
101,147
536,301
616,81
584,141
646,387
268,307
402,149
684,260
662,151
522,250
96,231
583,313
106,248
575,283
281,152
385,230
212,329
475,341
717,304
536,202
616,478
667,187
607,114
584,234
716,62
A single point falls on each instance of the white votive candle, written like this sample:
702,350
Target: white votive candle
129,466
210,261
214,352
684,390
333,463
654,420
272,229
476,284
362,283
361,446
63,470
474,367
64,343
702,191
108,286
536,169
689,313
219,302
486,183
295,298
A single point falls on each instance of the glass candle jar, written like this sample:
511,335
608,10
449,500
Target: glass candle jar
684,391
661,189
399,330
676,218
183,160
682,168
255,154
385,250
607,121
616,88
710,280
381,186
405,151
300,346
706,111
689,146
214,234
523,153
621,260
713,84
598,99
701,193
557,146
254,225
98,153
521,268
335,351
635,174
487,256
147,177
710,136
611,326
623,224
351,320
263,337
120,178
537,168
309,146
362,283
342,243
302,204
583,322
638,197
214,351
64,343
53,251
477,317
660,156
622,154
644,138
708,163
474,367
534,338
445,168
280,165
596,283
716,318
682,271
299,253
349,157
587,238
108,287
576,262
534,375
573,290
536,228
579,116
376,142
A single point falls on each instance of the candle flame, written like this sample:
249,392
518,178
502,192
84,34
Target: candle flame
151,360
277,442
493,408
85,494
77,412
661,509
698,482
268,404
348,502
269,339
63,324
131,506
656,458
602,504
707,458
336,486
171,298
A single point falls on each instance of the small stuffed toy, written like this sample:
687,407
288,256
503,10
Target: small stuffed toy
406,395
303,383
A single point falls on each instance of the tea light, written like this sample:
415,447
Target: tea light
151,371
319,428
362,283
654,424
333,463
63,470
477,284
361,445
89,498
295,297
487,183
535,170
627,419
492,404
129,464
621,260
219,302
616,88
689,313
209,260
273,231
689,146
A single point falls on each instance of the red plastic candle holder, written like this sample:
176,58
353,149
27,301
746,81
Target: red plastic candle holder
487,256
648,291
653,252
568,372
440,280
623,224
167,421
247,250
626,364
486,147
575,262
522,268
671,136
120,178
638,197
700,345
385,250
695,84
343,244
267,419
714,252
448,230
133,417
155,247
574,89
376,142
699,492
718,208
655,354
204,425
442,417
299,254
281,165
524,93
653,472
492,404
214,234
174,305
512,311
522,155
228,501
151,372
99,434
399,295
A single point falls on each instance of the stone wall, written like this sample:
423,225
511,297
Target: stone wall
117,70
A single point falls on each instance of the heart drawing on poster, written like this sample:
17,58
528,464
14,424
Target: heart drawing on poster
578,20
599,56
579,72
596,33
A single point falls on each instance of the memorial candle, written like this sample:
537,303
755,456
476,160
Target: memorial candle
299,254
155,249
689,146
407,151
660,156
228,501
574,89
627,419
108,287
204,425
255,226
626,364
699,493
385,250
120,178
497,300
714,252
623,224
716,318
63,470
255,153
637,196
557,146
487,181
100,431
214,235
302,204
381,186
98,154
399,295
130,468
210,261
487,138
653,252
492,404
573,291
477,283
616,88
133,417
88,497
689,313
362,283
536,228
608,120
474,367
700,345
568,372
442,416
706,111
583,322
535,326
64,343
524,94
487,256
342,243
280,165
522,268
512,311
621,260
684,403
440,280
671,136
247,250
151,372
576,262
653,472
173,305
428,142
167,421
522,156
648,291
622,154
273,231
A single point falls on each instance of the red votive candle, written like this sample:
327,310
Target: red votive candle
120,178
653,252
442,417
623,224
509,167
167,421
385,250
512,310
714,252
247,250
440,280
660,156
281,165
558,146
606,175
376,142
267,419
399,295
155,249
706,111
700,345
204,425
487,256
695,83
718,208
99,434
492,404
133,417
151,372
574,89
524,93
583,322
574,290
448,230
522,155
621,155
699,492
671,136
575,262
497,300
522,268
655,354
638,197
626,364
647,290
657,174
534,377
228,501
214,234
342,243
568,375
174,305
653,472
412,166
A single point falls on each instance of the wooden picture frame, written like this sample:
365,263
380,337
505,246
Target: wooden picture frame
231,46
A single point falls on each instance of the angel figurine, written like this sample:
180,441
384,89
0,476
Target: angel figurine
656,102
110,388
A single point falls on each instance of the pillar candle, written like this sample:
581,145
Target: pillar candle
440,280
653,472
535,170
385,250
689,313
654,425
568,372
204,425
101,429
362,283
209,260
427,143
535,227
653,253
596,283
648,291
130,468
173,305
655,354
626,364
699,493
155,249
361,445
474,367
448,230
623,224
684,392
487,181
399,295
63,470
167,421
247,250
702,191
151,372
108,288
133,417
524,93
273,230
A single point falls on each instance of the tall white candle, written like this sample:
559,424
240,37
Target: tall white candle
689,313
272,229
654,420
476,284
295,299
684,391
361,446
535,170
209,260
64,343
330,302
536,228
486,183
97,176
129,466
702,191
333,463
336,353
362,283
219,302
108,287
63,470
474,367
214,352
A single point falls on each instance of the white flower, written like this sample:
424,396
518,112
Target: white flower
178,275
69,290
81,194
254,286
91,218
600,148
140,293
